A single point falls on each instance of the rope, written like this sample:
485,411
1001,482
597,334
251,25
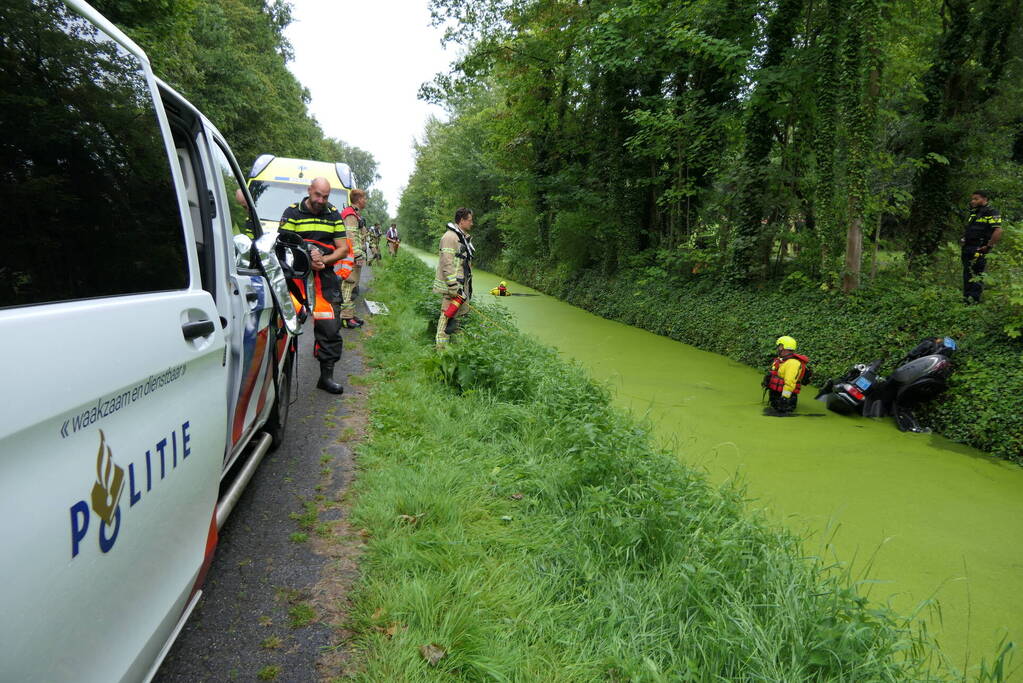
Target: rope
487,317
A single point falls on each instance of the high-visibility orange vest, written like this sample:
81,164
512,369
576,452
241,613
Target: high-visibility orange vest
344,267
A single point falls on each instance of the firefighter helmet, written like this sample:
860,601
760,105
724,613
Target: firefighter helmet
786,342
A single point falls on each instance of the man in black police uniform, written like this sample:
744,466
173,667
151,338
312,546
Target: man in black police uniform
319,223
981,235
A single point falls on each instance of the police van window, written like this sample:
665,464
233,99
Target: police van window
273,197
241,219
84,177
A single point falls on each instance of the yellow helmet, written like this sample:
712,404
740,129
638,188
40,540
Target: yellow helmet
503,283
786,342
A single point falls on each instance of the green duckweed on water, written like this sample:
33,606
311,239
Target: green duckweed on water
527,529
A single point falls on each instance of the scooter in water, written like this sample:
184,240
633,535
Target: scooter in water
920,376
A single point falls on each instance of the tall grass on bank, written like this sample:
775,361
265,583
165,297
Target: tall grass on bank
531,532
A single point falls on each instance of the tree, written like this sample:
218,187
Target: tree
376,209
751,237
862,66
651,135
230,59
362,163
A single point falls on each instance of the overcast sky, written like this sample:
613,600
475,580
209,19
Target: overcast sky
391,47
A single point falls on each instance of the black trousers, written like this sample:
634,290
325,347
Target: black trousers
973,267
780,404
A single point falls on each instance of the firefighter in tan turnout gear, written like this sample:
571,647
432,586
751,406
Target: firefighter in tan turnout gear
454,275
355,225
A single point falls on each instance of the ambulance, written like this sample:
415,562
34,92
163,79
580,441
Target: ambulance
149,348
278,182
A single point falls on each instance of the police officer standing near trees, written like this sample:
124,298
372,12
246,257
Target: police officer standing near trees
453,279
318,222
981,235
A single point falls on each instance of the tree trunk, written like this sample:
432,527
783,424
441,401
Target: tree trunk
877,245
853,254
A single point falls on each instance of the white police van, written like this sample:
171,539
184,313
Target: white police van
148,348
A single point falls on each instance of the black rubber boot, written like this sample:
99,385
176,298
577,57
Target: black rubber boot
326,381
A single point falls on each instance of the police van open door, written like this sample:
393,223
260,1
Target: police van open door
114,370
256,336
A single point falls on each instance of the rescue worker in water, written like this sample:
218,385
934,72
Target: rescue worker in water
501,290
785,378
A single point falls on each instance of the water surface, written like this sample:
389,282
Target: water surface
935,519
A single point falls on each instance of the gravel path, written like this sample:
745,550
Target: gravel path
274,600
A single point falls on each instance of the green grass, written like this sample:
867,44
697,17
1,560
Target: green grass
269,672
301,614
531,531
307,518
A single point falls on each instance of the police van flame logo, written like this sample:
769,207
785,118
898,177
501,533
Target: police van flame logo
107,502
106,492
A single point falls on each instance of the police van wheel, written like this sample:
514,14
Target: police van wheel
278,420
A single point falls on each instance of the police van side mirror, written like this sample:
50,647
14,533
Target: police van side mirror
243,252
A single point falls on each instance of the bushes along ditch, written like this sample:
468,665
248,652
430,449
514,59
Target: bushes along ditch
526,530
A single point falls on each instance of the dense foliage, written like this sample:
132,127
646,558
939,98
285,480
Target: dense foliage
777,134
229,58
564,546
729,150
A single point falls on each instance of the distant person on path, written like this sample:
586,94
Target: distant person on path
785,378
318,222
982,233
393,241
374,242
355,225
454,275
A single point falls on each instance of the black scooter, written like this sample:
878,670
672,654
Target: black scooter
920,376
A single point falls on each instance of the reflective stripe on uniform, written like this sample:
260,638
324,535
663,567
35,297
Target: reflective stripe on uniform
320,220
